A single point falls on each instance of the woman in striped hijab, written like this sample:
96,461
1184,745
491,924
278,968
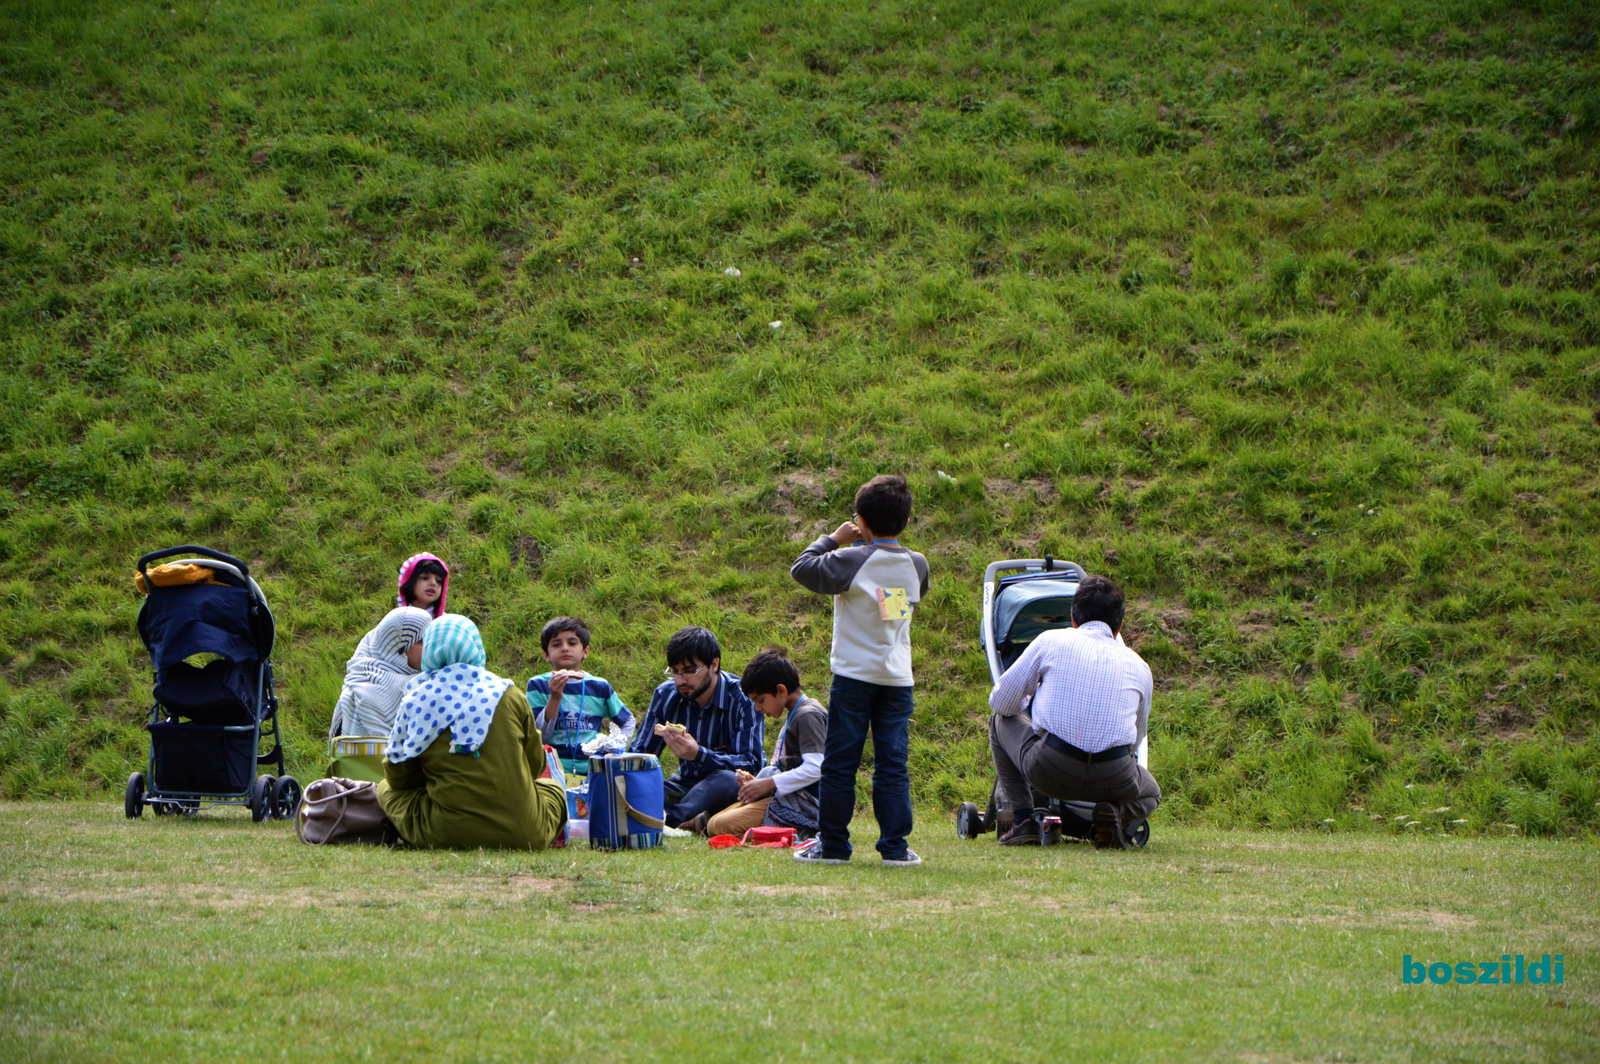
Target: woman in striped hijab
375,677
465,756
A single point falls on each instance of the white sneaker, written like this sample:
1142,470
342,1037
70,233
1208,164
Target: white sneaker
910,860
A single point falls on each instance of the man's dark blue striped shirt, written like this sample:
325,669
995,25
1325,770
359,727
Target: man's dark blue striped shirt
729,729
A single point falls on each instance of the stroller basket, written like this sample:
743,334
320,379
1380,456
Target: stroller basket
201,759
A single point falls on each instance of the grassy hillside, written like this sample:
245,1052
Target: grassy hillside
1283,315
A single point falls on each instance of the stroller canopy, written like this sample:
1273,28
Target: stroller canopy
227,622
1028,608
177,623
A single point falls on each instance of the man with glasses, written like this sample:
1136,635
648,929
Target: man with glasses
711,727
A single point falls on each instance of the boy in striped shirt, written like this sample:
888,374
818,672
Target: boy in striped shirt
569,705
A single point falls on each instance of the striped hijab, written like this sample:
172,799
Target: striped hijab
453,691
375,677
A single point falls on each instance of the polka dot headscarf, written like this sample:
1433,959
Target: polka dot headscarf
453,691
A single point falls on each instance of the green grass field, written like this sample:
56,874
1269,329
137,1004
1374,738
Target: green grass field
1283,315
218,939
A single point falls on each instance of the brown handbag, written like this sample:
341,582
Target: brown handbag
336,811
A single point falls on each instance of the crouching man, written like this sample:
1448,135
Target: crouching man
1068,717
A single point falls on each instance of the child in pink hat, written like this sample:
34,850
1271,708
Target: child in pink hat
424,582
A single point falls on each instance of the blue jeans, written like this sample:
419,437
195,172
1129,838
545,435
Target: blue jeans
854,706
712,794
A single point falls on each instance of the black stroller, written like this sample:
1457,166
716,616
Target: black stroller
1034,597
209,633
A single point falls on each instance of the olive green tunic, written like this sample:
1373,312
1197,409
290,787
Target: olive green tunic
441,800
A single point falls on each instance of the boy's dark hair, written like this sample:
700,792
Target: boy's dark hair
556,626
692,644
767,670
885,503
425,567
1098,599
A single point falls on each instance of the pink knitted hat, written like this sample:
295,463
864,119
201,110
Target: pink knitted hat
409,566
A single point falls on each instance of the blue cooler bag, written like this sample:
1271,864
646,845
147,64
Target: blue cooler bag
626,802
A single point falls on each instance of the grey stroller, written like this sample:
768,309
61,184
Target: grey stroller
1022,599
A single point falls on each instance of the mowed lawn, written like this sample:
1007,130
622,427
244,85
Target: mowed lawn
217,939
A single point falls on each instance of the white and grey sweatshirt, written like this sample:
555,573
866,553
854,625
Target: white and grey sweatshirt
875,587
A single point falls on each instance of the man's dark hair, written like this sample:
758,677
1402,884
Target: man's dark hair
693,644
555,627
885,503
1098,599
767,670
426,567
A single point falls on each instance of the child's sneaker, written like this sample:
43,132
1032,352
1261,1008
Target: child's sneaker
811,853
908,860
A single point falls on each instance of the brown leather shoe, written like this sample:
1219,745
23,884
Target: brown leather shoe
1108,829
1024,833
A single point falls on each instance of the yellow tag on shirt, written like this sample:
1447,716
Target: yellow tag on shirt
893,604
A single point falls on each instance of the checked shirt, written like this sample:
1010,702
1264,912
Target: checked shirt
1084,686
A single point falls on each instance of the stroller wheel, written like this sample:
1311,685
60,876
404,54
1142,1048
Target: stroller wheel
286,798
1138,834
133,797
261,798
969,822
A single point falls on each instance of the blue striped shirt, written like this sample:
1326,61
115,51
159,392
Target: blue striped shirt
729,729
586,705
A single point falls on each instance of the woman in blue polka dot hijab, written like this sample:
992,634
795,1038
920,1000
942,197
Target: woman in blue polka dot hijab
453,691
465,756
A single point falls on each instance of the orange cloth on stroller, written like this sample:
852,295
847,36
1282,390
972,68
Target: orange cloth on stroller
174,574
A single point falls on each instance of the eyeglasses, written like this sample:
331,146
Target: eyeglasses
683,674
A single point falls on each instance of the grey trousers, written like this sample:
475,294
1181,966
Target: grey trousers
1021,760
